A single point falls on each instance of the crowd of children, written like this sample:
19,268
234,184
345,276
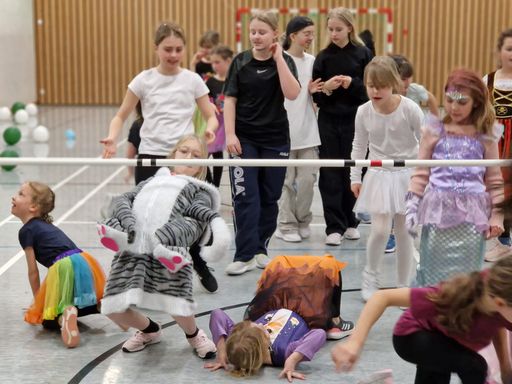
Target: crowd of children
280,102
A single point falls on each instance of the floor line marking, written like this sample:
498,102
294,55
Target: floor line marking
64,181
81,202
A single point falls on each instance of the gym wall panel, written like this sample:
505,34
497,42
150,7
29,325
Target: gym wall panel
87,51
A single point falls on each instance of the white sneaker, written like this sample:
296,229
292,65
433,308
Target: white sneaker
240,267
497,251
334,239
291,237
369,284
352,234
304,231
262,260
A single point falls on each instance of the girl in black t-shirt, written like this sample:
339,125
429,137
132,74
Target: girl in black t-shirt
257,128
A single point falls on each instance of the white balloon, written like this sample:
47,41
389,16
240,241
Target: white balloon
21,116
5,113
41,134
31,109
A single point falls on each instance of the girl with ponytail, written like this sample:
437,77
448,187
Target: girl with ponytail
74,284
444,327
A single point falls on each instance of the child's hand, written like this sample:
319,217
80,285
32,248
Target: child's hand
289,371
209,136
315,86
345,355
221,362
333,83
356,189
494,231
109,148
345,81
277,51
233,145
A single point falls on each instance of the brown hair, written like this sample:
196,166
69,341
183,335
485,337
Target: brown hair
204,152
44,198
345,15
483,115
168,28
405,68
382,72
209,39
246,348
460,298
223,51
501,40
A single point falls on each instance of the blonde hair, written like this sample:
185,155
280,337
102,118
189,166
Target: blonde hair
246,348
269,17
459,298
44,198
345,15
382,72
201,175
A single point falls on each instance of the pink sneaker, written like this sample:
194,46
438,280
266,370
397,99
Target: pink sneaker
381,377
141,340
204,347
69,327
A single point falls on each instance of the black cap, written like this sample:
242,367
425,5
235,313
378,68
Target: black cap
298,23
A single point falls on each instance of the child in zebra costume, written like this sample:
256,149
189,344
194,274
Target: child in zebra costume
151,228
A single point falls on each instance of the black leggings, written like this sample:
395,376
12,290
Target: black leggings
54,324
437,356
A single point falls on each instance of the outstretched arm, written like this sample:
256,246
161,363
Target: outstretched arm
345,355
220,327
500,342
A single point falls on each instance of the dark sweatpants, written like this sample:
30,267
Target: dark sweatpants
255,192
336,135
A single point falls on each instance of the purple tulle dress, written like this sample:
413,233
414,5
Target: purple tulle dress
454,211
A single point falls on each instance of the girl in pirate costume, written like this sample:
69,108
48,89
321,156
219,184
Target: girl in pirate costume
499,84
151,229
455,204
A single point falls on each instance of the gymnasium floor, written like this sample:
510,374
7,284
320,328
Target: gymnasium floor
29,354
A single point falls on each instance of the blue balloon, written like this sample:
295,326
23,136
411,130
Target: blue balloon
70,134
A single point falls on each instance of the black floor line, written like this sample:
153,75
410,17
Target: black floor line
105,355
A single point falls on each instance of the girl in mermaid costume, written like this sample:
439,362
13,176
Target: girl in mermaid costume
455,205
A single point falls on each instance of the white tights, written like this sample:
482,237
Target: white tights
379,234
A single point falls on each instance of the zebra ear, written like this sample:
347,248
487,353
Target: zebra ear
221,241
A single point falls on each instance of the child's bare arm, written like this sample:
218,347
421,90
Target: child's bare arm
33,271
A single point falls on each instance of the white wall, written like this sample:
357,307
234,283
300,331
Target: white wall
17,52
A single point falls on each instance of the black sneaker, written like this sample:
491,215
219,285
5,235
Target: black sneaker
207,280
340,330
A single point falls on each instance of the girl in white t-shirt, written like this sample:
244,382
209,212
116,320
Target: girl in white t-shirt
389,125
168,94
297,196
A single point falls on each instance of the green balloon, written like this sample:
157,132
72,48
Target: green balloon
9,153
17,106
12,135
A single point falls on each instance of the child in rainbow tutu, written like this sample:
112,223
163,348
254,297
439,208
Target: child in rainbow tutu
74,284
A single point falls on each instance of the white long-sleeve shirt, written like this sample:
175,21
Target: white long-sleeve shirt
388,136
